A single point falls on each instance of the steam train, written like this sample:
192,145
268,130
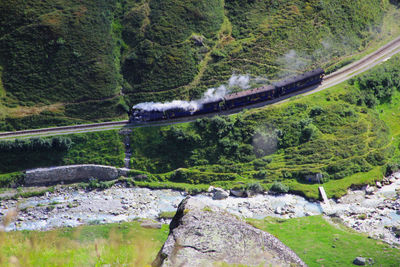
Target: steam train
235,100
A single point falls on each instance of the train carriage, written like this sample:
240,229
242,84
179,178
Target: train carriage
299,82
210,107
239,99
243,98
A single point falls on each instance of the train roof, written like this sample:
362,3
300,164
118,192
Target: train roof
300,77
240,94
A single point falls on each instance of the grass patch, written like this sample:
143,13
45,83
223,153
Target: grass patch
319,242
95,245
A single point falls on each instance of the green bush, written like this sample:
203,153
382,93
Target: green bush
255,188
12,179
104,148
278,187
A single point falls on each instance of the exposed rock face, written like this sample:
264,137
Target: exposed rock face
202,236
238,193
68,174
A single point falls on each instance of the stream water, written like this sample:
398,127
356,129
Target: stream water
69,207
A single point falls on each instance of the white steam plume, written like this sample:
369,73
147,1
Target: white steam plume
212,94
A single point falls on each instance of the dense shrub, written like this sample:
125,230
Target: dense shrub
379,84
104,148
58,143
278,187
12,179
255,188
392,167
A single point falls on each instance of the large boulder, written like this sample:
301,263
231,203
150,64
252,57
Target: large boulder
202,235
219,193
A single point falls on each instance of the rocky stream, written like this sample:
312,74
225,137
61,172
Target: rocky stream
373,210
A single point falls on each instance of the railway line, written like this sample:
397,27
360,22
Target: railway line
343,74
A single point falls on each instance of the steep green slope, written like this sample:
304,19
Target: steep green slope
66,62
58,52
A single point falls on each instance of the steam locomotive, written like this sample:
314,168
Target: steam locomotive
235,100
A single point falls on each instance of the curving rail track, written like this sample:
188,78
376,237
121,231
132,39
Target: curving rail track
362,65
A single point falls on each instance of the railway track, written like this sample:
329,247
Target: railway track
347,72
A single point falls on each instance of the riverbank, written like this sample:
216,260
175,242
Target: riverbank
375,211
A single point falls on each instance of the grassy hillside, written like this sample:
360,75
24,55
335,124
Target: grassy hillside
66,62
54,54
347,133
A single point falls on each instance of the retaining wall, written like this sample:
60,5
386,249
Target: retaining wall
72,173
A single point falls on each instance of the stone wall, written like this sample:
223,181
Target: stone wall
69,174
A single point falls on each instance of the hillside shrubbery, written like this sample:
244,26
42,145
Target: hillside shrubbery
378,86
161,54
334,135
36,144
97,148
94,58
57,50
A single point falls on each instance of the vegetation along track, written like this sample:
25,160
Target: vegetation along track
347,72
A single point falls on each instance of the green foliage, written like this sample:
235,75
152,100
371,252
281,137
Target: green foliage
96,59
58,143
255,188
197,177
95,110
278,187
105,148
59,51
264,33
96,148
378,86
286,143
27,194
36,121
28,153
161,55
96,184
207,141
12,179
